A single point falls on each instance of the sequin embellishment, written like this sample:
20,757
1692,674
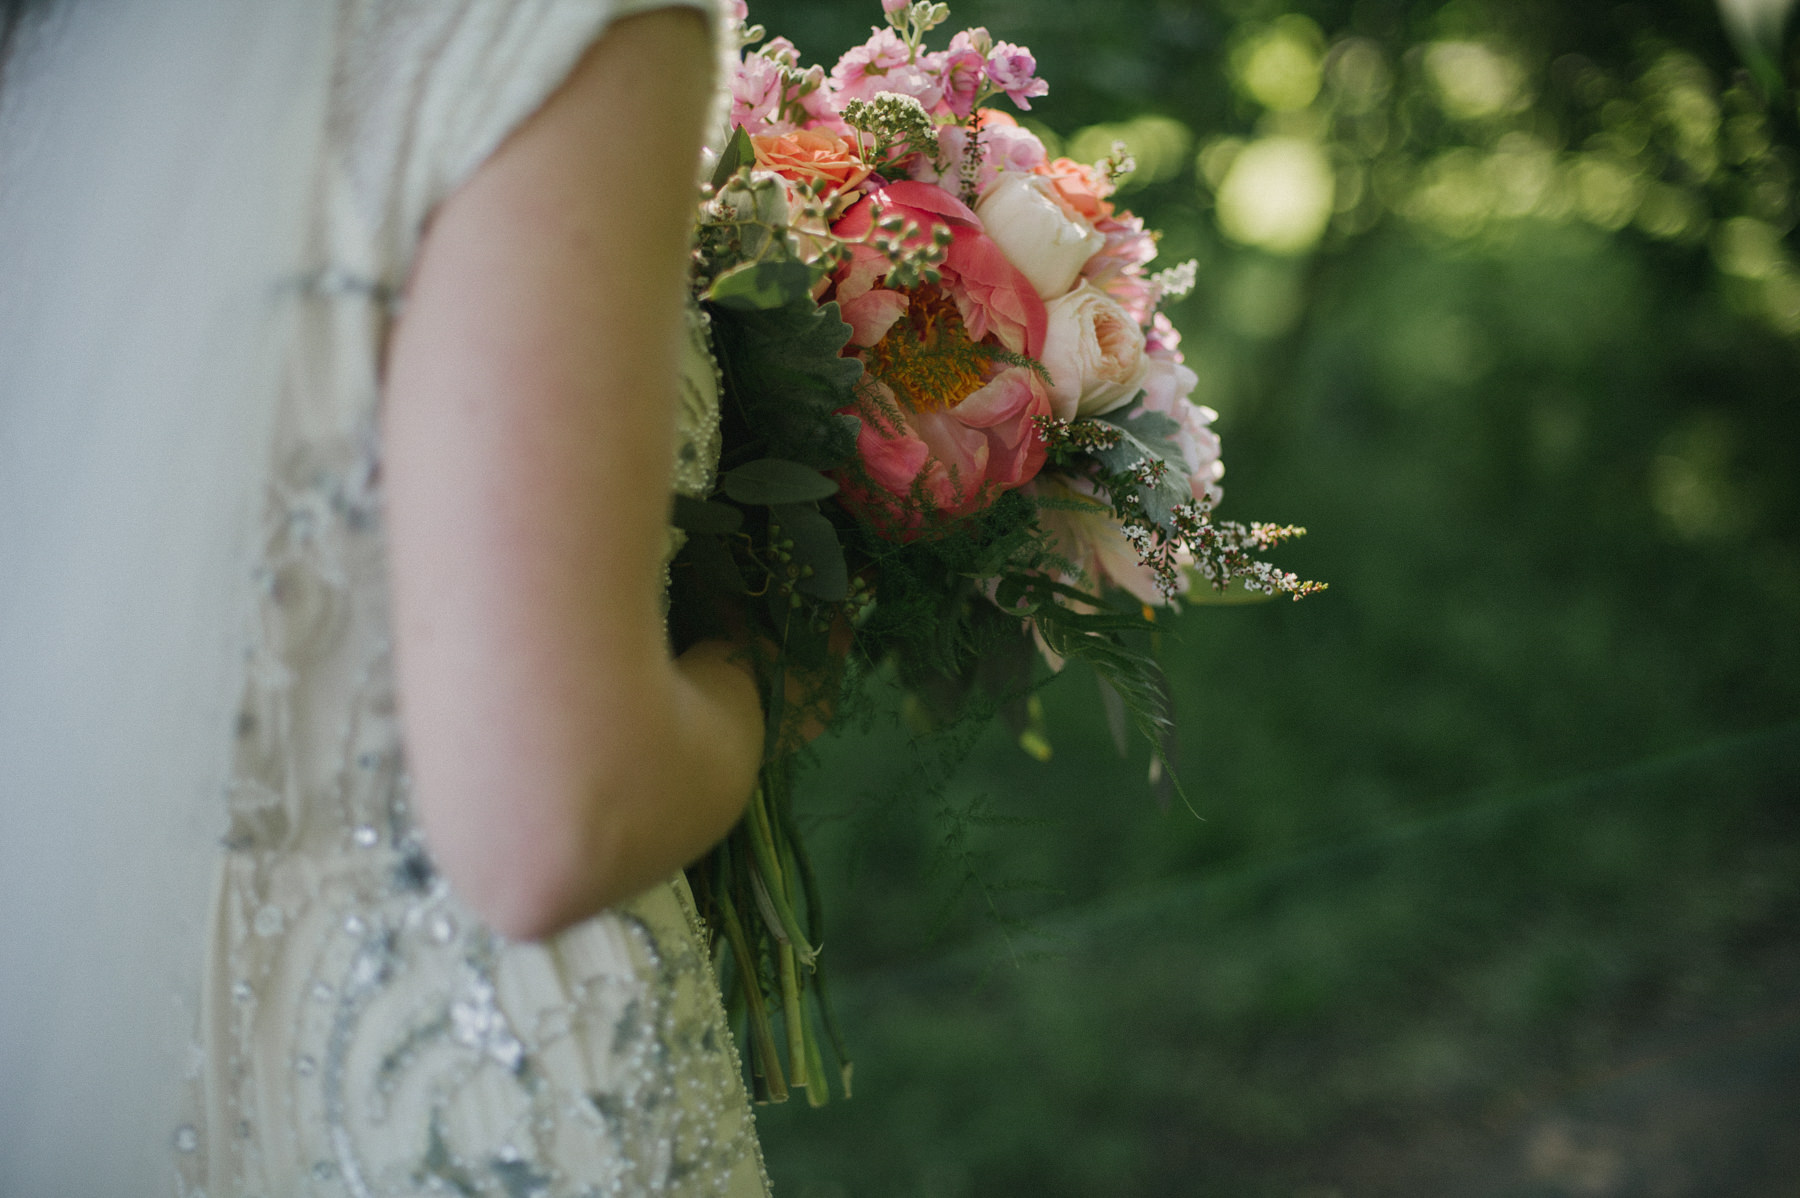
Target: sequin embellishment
373,1037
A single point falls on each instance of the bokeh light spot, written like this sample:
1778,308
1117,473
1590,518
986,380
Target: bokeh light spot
1280,66
1359,75
1161,147
1475,81
1606,190
1746,247
1277,195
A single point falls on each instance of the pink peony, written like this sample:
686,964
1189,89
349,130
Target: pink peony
1117,268
1005,147
1008,146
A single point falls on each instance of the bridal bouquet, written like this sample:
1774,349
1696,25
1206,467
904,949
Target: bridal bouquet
957,438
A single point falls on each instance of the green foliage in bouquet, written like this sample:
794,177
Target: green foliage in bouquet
834,579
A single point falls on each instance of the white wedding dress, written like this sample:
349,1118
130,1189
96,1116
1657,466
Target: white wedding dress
359,1032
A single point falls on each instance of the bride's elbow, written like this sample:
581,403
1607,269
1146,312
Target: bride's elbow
541,862
537,867
538,824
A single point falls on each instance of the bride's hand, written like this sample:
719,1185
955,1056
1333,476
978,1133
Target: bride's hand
809,695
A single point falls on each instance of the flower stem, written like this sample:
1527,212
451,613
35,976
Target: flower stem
762,1035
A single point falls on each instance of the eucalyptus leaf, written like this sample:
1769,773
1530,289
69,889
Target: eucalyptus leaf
739,152
712,567
776,480
700,517
760,286
1158,431
816,547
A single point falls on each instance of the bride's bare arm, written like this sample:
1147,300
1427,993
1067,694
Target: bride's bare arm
561,760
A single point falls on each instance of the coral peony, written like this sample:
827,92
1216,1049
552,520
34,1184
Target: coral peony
947,420
991,295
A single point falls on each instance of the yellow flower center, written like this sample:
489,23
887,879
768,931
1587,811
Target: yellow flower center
927,357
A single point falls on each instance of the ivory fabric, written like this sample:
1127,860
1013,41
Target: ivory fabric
361,1032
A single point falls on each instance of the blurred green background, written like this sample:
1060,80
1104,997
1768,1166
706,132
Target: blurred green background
1494,887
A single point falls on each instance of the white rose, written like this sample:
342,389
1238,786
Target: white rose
1094,352
1048,243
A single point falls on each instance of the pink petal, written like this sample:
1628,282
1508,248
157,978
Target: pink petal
872,314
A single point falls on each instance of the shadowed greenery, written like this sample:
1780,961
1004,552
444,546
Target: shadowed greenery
1496,885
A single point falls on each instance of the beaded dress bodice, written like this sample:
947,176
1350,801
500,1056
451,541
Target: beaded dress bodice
362,1033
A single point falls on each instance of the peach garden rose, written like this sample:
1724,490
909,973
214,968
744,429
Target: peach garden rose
816,156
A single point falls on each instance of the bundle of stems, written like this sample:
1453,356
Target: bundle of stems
752,889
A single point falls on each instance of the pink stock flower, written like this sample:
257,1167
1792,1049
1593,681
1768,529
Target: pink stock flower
737,10
963,69
1005,146
893,6
779,49
884,64
946,425
1013,70
757,90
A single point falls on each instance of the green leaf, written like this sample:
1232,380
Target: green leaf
1157,431
776,480
699,517
816,547
1159,500
785,375
709,564
759,286
738,153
